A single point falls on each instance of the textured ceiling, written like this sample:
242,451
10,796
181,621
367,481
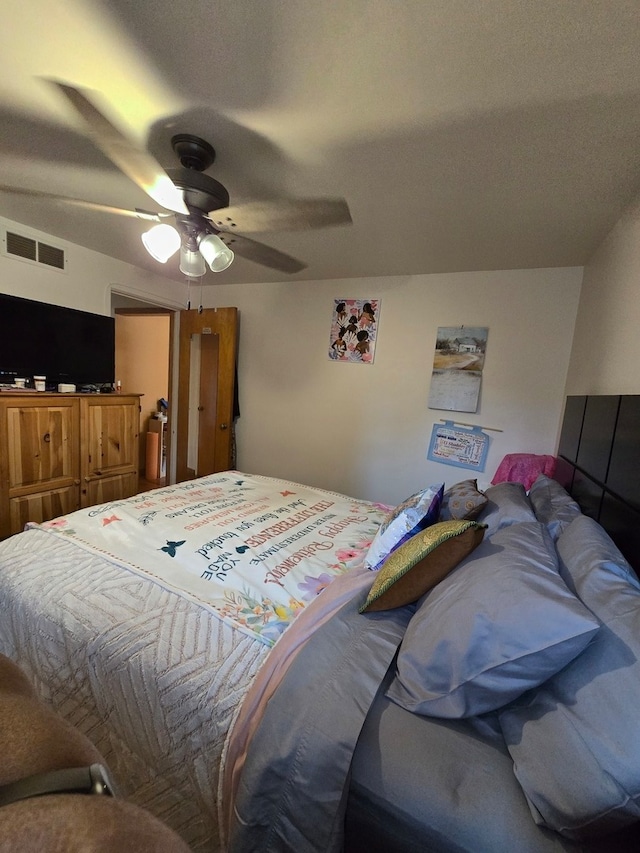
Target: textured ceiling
464,134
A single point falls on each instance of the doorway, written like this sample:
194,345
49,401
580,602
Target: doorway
190,355
143,364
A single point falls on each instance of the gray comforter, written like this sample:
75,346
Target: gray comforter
331,750
292,793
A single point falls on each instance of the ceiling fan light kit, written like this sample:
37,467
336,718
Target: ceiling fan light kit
205,223
162,242
191,263
215,252
195,242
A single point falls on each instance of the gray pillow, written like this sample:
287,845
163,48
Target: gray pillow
553,505
575,741
502,622
507,504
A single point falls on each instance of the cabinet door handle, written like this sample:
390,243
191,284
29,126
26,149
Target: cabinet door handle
223,426
46,437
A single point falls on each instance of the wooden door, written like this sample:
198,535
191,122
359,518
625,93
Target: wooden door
210,378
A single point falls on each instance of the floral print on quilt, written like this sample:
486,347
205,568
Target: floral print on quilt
254,550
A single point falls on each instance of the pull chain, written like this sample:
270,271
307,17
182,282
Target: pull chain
190,280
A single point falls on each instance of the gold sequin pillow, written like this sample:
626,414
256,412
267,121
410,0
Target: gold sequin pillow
422,562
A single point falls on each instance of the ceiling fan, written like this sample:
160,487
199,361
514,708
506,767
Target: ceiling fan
206,228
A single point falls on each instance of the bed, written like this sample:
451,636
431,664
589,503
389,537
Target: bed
288,709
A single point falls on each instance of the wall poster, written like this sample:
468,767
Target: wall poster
457,368
457,445
354,325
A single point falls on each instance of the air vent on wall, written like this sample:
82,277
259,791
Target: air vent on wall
21,246
31,250
51,256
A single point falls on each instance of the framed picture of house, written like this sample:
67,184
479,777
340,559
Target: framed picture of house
458,362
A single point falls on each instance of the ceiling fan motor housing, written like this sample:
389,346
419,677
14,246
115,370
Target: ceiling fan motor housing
200,191
193,152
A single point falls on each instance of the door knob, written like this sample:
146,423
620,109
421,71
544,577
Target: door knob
223,426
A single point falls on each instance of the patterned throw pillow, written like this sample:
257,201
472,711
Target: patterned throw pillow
403,522
462,501
422,562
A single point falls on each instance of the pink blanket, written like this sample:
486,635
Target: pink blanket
524,468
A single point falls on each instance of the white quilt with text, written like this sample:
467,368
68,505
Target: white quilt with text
253,549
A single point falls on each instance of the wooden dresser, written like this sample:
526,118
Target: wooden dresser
60,452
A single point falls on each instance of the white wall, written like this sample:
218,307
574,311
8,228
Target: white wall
606,349
355,428
87,281
364,430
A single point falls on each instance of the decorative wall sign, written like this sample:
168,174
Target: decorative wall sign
354,327
464,447
457,368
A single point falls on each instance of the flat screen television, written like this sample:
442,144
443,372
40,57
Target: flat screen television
63,344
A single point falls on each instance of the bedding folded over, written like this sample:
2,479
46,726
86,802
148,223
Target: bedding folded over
291,794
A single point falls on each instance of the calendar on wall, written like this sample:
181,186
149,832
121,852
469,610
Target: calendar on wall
458,362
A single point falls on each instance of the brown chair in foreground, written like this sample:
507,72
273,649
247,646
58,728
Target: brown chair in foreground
55,794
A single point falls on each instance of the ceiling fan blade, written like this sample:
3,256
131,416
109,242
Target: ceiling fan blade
87,205
295,215
261,254
134,161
